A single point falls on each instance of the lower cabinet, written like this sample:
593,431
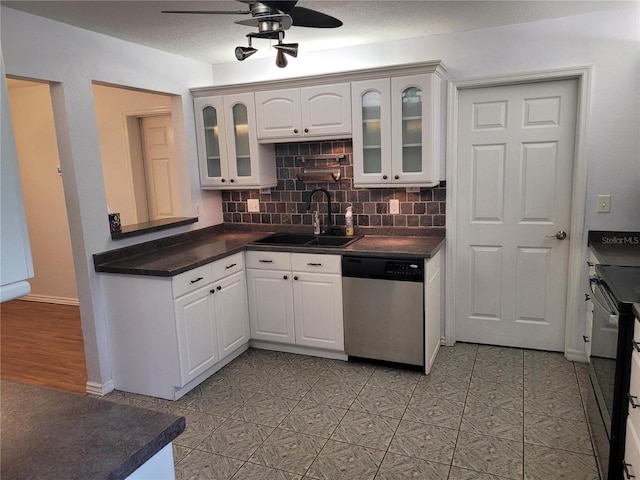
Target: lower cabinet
632,440
296,298
166,335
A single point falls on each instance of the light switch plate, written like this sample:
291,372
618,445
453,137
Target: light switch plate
604,203
253,205
394,206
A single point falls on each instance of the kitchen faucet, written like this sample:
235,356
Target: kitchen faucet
330,227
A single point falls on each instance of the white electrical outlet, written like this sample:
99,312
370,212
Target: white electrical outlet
394,206
604,203
253,205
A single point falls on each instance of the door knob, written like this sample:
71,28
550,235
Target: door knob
560,235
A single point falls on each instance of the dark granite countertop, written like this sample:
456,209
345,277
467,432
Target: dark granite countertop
170,258
48,434
616,248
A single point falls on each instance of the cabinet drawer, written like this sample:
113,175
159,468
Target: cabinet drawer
318,263
227,266
632,451
268,260
192,280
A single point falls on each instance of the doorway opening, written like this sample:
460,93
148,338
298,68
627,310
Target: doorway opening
42,342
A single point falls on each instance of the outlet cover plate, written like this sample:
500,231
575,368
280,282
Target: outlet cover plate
253,205
394,206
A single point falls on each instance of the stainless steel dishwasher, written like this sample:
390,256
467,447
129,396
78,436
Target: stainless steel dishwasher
383,301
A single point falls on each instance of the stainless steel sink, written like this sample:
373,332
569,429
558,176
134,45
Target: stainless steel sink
306,240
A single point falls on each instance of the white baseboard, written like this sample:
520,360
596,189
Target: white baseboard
576,356
100,389
51,299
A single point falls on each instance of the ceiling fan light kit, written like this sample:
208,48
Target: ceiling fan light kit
272,18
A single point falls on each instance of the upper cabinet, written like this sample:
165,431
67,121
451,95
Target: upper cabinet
396,130
313,113
392,113
228,150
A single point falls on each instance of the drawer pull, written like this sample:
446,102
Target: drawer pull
587,297
632,400
627,475
636,346
231,266
312,264
586,339
590,264
196,280
265,261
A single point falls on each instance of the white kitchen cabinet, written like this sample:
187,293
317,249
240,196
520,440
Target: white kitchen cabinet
632,439
296,299
167,335
196,329
313,113
396,133
231,313
433,301
229,154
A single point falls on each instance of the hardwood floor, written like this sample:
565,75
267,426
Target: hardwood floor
41,344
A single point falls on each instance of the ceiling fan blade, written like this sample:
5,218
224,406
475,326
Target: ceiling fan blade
305,17
282,5
210,12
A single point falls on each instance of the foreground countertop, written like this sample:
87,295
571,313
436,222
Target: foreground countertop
167,259
48,434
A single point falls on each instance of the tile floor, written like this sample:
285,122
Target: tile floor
484,413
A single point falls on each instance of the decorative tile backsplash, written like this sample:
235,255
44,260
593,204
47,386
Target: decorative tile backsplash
287,203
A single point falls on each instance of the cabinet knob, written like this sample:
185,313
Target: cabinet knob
397,177
223,180
586,339
384,177
285,277
587,297
633,400
218,288
232,180
306,130
295,278
212,290
295,130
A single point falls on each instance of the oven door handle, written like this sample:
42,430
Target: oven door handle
599,298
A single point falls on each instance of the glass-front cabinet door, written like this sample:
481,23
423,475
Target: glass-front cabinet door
240,116
212,151
415,114
371,114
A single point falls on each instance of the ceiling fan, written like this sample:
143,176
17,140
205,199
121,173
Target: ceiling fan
272,18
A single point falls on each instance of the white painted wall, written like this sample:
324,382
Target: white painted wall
610,41
45,207
39,48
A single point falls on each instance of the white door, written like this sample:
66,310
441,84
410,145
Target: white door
514,182
159,167
326,110
278,113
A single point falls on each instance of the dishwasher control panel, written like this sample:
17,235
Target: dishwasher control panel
402,269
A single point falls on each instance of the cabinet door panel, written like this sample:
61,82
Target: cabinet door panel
318,310
270,305
326,110
232,313
196,328
371,113
278,113
212,146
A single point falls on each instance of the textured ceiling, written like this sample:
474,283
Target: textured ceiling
213,38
